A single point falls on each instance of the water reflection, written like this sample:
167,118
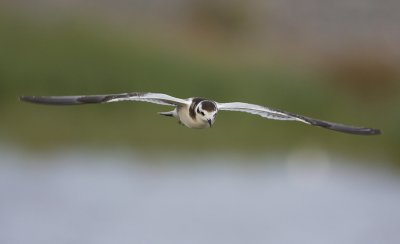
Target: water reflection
109,198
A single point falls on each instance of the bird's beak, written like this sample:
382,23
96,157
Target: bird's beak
209,122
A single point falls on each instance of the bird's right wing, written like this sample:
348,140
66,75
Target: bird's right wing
276,114
157,98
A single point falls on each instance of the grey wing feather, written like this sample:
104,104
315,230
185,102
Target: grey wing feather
275,114
157,98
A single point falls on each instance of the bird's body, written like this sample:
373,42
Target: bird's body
188,116
183,116
200,114
197,113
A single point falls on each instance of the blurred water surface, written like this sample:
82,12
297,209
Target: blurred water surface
120,197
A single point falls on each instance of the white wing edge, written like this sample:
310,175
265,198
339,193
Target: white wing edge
157,98
262,111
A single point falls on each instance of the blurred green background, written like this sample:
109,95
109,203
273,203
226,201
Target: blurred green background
328,66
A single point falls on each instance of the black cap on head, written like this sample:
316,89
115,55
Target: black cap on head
208,106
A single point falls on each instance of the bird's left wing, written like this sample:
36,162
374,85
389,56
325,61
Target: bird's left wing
157,98
275,114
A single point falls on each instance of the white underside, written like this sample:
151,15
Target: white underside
182,114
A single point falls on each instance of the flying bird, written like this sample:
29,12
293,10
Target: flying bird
197,112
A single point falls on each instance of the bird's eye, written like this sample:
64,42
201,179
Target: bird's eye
198,111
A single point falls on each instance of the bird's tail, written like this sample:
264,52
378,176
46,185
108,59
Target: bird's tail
169,114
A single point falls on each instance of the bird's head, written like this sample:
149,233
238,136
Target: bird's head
207,111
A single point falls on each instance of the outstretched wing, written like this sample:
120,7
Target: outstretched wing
157,98
269,113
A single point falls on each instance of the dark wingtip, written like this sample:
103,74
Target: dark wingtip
49,100
354,130
343,128
374,131
359,131
26,98
31,99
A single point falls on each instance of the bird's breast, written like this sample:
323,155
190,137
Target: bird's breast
191,121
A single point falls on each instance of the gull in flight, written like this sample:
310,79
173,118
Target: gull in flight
196,112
